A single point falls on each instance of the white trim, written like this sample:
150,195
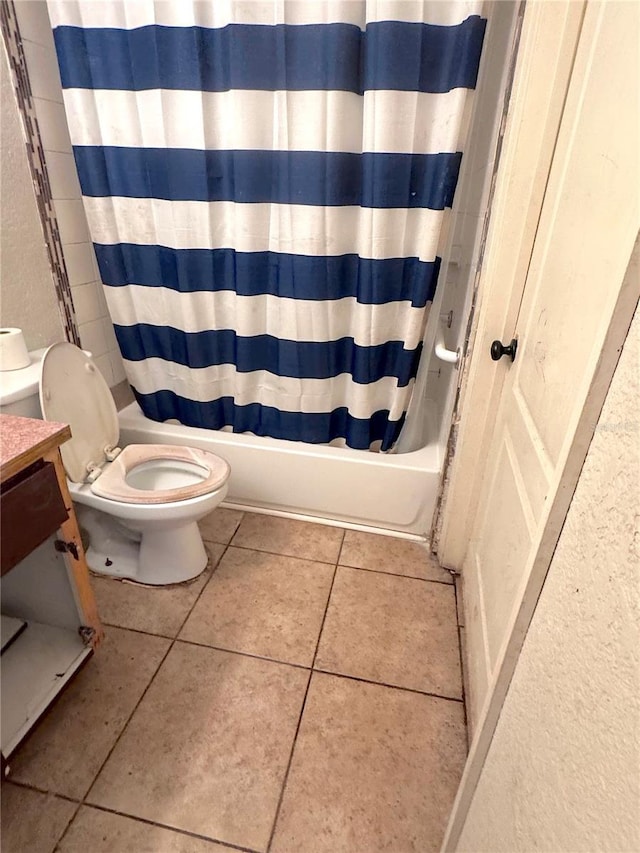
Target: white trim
545,58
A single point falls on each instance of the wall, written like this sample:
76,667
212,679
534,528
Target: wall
96,331
562,771
28,296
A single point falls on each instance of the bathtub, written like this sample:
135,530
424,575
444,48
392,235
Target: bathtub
393,494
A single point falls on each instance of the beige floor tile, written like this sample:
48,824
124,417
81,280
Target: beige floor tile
374,769
95,831
32,822
207,749
220,525
289,537
68,746
386,554
158,610
263,604
395,630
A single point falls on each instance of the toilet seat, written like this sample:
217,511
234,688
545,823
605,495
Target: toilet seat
112,483
73,391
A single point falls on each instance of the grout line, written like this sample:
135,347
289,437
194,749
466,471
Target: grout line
167,826
151,680
255,656
304,703
128,720
338,563
462,670
331,562
464,693
229,541
344,536
459,613
31,786
280,554
390,686
281,662
73,817
396,575
289,762
243,654
137,630
172,642
326,609
175,639
224,545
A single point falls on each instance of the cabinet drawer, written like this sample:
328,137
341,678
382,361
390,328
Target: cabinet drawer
32,509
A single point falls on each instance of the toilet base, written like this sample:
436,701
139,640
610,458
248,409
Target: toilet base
155,557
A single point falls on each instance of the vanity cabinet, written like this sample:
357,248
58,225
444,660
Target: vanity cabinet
48,614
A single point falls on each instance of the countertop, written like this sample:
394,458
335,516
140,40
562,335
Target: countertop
25,440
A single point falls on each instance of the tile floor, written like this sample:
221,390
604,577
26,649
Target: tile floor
303,695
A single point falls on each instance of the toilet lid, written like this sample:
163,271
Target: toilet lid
73,391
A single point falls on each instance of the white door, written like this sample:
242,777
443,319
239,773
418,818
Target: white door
573,314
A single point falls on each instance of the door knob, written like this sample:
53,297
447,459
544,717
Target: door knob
498,349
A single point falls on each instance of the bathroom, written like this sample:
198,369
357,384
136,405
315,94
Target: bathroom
311,542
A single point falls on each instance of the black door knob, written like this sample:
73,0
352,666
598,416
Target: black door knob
498,349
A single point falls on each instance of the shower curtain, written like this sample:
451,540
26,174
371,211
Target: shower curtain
266,183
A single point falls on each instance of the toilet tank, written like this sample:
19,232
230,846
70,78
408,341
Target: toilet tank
19,388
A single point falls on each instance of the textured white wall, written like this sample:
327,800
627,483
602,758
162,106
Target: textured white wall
27,295
563,771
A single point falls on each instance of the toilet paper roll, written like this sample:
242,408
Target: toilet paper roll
14,354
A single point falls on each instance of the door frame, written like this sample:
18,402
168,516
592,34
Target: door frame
544,67
546,52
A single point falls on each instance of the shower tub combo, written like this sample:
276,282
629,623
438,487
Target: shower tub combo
393,493
386,493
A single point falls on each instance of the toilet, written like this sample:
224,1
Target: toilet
139,505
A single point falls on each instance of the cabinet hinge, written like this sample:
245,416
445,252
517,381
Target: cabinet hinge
87,633
67,547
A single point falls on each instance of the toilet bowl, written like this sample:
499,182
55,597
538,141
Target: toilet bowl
139,505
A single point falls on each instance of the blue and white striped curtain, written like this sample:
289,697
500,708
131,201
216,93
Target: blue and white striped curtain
266,184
